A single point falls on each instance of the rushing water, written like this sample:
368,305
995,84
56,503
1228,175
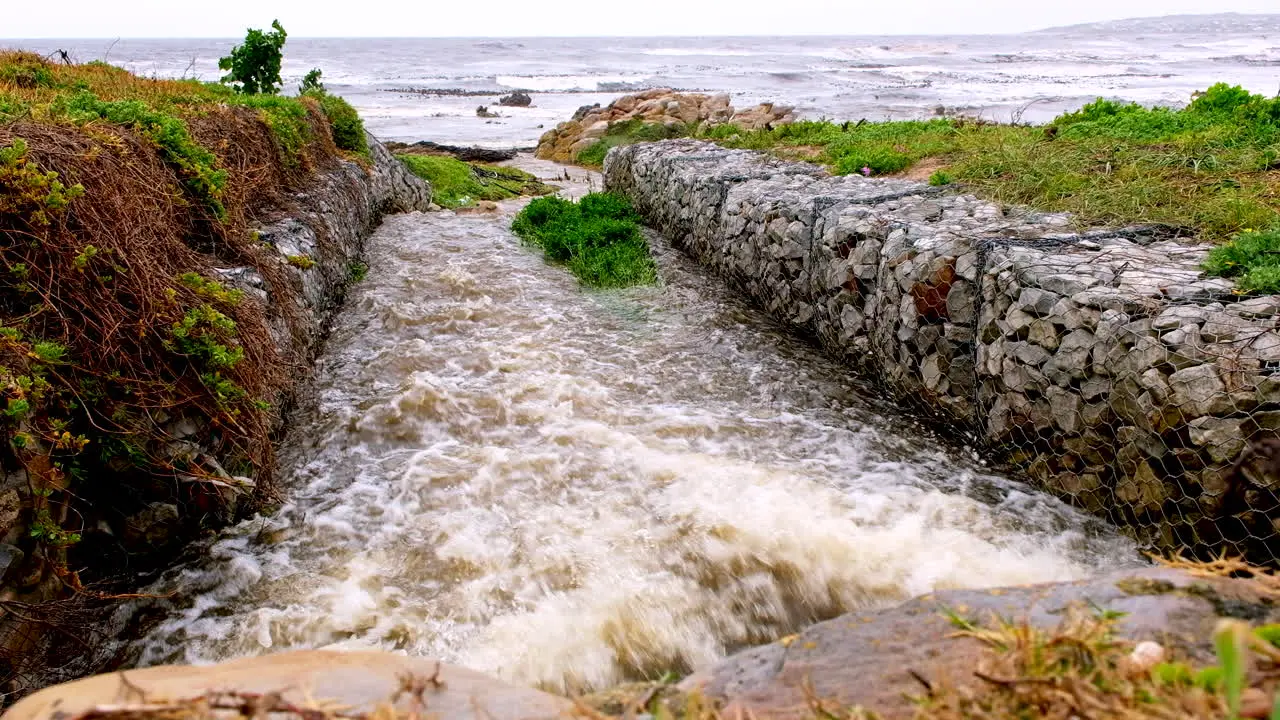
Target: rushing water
570,488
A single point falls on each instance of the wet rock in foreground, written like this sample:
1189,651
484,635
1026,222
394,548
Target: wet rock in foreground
359,680
868,658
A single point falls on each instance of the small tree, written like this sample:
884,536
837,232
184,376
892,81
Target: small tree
311,83
254,67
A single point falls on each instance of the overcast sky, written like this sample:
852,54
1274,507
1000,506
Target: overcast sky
424,18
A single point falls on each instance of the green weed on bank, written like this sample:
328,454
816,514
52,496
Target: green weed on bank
455,183
1211,169
598,238
629,132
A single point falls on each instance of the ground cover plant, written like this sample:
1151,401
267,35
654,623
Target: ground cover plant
455,183
629,132
598,238
119,196
1210,170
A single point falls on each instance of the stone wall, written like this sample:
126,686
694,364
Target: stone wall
329,223
1102,363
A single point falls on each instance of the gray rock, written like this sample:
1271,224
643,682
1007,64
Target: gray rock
1043,333
960,303
154,526
1036,302
1068,284
875,659
1195,389
10,510
10,561
1222,438
1256,308
1142,491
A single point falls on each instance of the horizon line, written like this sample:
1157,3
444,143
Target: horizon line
235,38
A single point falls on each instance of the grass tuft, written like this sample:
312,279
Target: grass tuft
629,132
598,238
455,183
1252,257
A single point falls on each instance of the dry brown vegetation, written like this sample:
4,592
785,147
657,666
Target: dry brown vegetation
120,197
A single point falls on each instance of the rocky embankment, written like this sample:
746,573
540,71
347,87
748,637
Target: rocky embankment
660,106
325,221
1103,363
329,223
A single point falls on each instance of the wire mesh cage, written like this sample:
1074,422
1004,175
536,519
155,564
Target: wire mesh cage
1102,363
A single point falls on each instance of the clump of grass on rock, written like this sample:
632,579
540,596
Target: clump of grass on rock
1252,257
455,183
598,238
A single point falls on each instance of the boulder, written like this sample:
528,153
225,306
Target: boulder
876,659
516,99
361,681
153,526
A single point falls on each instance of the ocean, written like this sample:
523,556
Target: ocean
428,88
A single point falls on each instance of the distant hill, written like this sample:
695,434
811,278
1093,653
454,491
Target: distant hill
1231,23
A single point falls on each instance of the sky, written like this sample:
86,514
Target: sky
524,18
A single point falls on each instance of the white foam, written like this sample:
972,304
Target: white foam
572,489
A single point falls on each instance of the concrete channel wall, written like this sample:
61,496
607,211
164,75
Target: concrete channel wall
1102,363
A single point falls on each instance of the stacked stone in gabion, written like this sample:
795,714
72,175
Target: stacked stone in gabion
1103,363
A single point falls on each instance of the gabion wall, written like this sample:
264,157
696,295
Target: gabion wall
1102,363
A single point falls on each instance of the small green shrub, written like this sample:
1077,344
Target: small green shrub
940,178
598,238
302,262
254,67
49,352
629,132
607,205
211,289
1252,257
201,335
28,193
345,122
457,184
311,82
593,154
28,72
288,120
873,160
722,132
357,271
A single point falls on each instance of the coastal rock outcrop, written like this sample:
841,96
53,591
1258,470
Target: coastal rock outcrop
1102,362
659,106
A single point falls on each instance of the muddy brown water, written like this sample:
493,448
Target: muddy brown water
571,488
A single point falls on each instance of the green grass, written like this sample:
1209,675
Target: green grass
455,183
1252,257
1210,169
348,128
598,238
629,132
